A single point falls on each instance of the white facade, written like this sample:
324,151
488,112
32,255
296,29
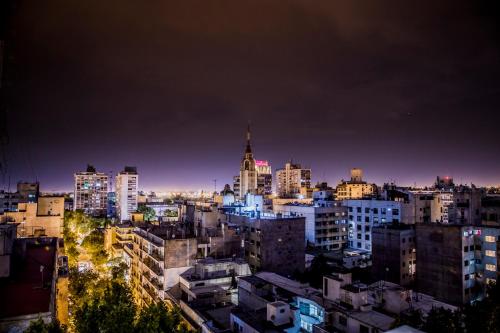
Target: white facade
127,183
292,180
326,227
442,209
364,214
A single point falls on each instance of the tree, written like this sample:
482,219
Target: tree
484,315
440,320
156,318
39,326
110,309
412,318
93,243
149,213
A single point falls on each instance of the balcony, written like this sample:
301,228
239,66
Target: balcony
149,290
155,268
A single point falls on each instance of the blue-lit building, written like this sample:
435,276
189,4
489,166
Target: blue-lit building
363,215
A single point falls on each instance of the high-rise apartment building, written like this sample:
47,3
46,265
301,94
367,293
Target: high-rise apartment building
127,182
264,178
394,253
455,262
91,192
293,181
326,227
363,215
443,208
355,188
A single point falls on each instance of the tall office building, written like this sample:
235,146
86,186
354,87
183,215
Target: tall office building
293,180
91,192
126,192
264,177
248,173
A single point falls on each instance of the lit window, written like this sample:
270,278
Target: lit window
490,267
490,253
490,239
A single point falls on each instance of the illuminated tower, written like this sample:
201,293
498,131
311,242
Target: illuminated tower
248,174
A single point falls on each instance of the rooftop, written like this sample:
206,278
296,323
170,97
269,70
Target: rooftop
23,292
258,320
373,318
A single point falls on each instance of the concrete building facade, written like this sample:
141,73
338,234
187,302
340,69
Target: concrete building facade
293,181
355,188
394,254
363,215
91,192
272,243
127,184
326,227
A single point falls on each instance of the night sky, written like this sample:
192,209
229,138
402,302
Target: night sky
406,90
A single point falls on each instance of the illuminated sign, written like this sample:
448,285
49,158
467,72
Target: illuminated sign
261,163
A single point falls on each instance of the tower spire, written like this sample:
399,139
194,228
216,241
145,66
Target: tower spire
249,148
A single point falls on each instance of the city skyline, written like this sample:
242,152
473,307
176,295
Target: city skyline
406,94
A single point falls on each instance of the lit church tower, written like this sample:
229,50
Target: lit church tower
248,174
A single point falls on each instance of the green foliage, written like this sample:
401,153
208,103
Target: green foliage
93,244
484,316
170,213
149,213
156,318
108,307
39,326
440,320
412,318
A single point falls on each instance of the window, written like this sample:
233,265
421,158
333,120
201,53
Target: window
404,252
491,268
395,211
367,237
342,320
466,262
466,248
358,209
490,239
490,253
466,277
367,210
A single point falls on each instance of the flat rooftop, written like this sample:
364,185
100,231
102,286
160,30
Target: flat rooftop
22,292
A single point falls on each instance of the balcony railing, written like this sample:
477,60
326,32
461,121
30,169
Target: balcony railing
155,268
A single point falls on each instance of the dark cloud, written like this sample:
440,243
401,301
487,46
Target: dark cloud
406,90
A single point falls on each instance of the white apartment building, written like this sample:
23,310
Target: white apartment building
127,182
293,181
442,207
326,227
91,191
364,214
